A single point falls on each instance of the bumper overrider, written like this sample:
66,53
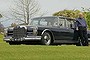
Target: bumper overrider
30,38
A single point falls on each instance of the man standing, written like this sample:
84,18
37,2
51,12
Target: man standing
81,30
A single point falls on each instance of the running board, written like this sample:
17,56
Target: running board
65,41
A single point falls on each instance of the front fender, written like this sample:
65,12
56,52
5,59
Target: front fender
51,33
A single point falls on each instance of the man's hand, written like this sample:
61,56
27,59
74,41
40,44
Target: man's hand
77,28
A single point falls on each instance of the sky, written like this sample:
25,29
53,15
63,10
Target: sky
52,6
49,6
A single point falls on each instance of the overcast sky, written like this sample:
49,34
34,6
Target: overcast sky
50,6
56,5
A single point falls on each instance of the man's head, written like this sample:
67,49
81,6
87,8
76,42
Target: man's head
81,15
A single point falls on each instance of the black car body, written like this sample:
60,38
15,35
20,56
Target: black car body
46,30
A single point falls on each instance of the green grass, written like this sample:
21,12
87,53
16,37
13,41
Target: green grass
1,37
39,52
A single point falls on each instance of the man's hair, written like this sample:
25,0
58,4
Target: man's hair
81,14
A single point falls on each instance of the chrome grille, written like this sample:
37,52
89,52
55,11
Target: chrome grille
19,32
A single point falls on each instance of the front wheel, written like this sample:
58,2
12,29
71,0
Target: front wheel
46,38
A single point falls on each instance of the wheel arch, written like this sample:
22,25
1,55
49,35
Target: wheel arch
51,33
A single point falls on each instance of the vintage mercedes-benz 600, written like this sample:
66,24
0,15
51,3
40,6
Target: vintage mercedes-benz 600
46,30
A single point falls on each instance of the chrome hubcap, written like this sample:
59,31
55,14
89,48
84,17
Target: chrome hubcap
47,38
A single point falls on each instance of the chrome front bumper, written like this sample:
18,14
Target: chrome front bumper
29,38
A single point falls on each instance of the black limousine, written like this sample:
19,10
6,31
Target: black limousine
46,30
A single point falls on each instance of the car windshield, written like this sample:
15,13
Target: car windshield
45,21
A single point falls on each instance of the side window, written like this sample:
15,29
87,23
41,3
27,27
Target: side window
35,22
62,23
55,22
69,23
43,22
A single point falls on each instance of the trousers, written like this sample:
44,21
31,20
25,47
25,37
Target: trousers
81,34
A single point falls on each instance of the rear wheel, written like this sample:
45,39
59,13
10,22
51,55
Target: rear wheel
46,38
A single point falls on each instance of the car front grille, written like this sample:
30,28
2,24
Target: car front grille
19,32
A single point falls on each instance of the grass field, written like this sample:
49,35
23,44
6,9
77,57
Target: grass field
1,38
39,52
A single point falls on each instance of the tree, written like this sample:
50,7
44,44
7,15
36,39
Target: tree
0,15
87,15
67,13
24,10
1,25
1,28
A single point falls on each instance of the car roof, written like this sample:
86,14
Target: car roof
55,17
